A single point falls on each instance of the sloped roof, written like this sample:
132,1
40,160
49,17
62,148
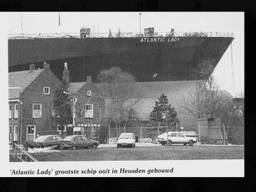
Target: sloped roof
20,80
148,92
155,88
76,86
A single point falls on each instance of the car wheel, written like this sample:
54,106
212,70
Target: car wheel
169,142
74,147
190,142
185,144
94,146
118,146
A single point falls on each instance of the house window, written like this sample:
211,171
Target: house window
15,133
10,133
10,111
89,93
16,111
88,111
37,110
47,90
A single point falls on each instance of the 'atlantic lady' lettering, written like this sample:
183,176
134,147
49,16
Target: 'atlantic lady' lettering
158,39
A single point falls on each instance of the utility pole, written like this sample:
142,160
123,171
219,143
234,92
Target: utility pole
108,133
59,23
21,24
74,100
140,22
140,130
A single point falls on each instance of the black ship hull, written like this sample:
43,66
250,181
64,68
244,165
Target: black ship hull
148,59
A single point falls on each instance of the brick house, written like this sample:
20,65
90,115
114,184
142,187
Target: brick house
88,107
31,96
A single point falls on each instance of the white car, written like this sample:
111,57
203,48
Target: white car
191,134
126,140
162,139
178,138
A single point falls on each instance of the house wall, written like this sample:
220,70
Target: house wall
34,94
98,102
14,122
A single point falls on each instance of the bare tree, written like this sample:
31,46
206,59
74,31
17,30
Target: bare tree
207,100
118,87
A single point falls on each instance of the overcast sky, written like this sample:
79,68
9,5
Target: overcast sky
229,76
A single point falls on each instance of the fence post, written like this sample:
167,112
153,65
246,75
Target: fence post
158,129
140,130
108,133
224,134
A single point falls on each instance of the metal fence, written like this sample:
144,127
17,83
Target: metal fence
141,132
18,153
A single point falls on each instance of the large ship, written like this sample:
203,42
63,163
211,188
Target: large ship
149,56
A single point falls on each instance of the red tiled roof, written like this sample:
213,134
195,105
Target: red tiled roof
20,80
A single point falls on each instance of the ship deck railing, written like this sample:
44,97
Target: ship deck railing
116,34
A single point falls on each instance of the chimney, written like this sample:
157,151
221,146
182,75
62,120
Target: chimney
88,79
66,74
46,65
31,67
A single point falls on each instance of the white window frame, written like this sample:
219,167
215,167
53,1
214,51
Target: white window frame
10,133
89,93
47,93
88,115
15,133
10,111
39,111
34,134
16,111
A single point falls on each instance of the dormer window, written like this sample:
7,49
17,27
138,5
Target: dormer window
47,90
89,93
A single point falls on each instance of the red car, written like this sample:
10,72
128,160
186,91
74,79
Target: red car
77,141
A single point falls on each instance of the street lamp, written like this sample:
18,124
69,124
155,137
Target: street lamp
165,119
74,100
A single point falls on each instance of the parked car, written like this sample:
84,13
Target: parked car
77,141
126,140
162,139
44,141
177,137
191,134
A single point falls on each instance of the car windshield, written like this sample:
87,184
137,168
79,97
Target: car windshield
125,136
42,138
68,138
